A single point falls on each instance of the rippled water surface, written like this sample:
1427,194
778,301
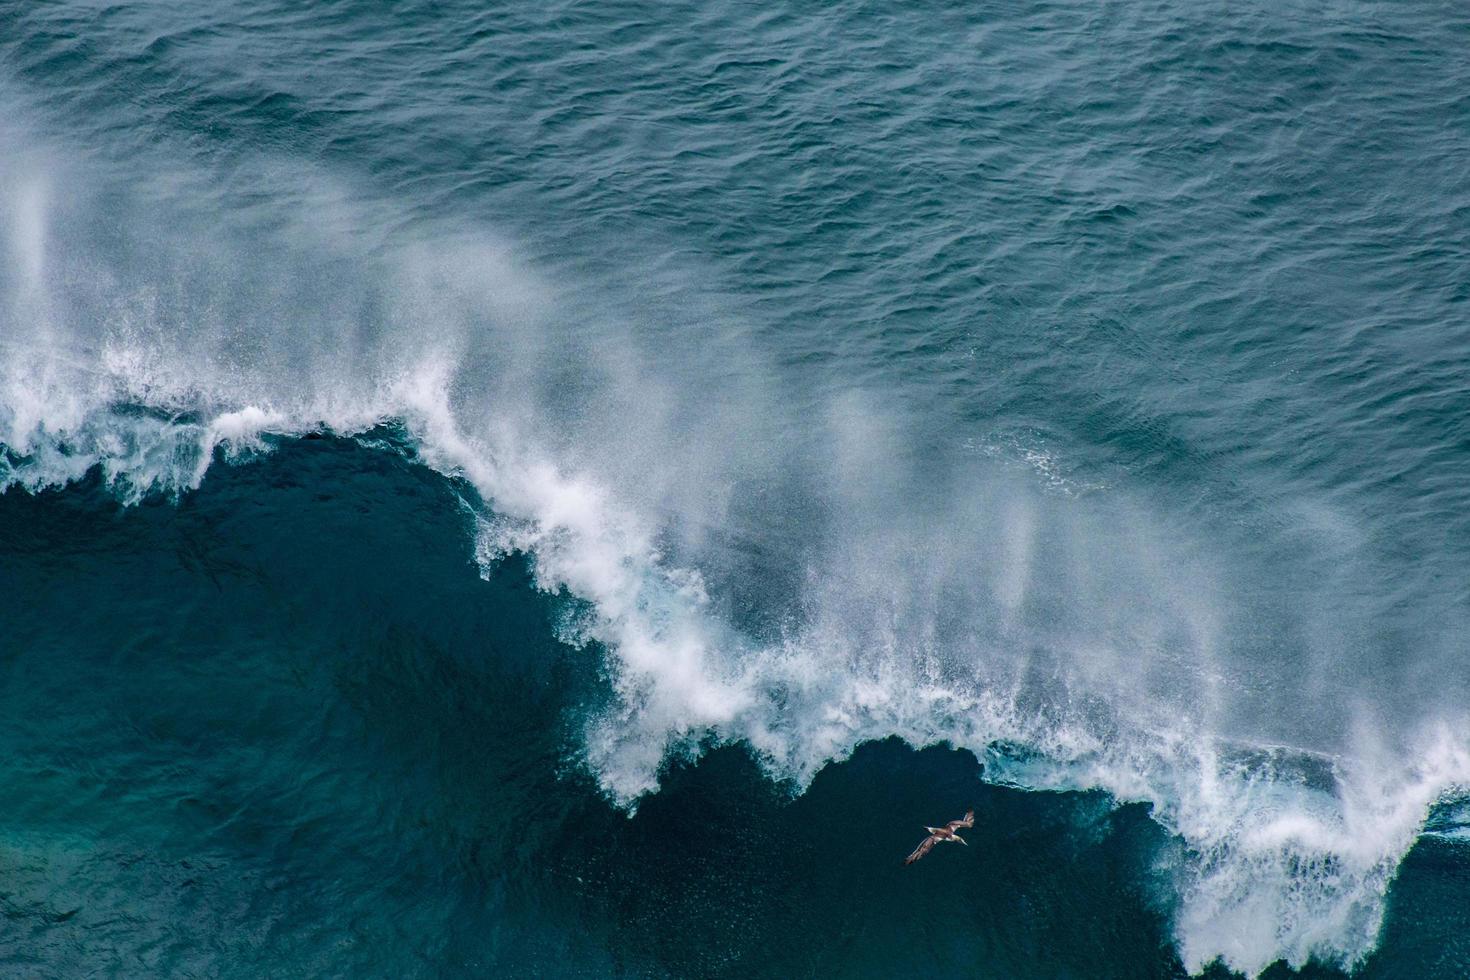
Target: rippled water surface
572,489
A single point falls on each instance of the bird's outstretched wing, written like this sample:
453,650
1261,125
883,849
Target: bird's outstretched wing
969,821
922,849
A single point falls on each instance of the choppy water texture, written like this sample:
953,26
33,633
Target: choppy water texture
572,489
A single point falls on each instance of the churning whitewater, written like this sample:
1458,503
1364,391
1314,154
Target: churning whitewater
829,400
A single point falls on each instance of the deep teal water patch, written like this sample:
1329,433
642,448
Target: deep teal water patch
264,729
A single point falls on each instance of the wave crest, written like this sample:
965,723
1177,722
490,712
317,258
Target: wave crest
1285,854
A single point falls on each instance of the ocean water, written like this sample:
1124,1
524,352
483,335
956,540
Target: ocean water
547,490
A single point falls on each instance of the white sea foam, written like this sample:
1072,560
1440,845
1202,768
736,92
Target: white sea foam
1280,866
1089,633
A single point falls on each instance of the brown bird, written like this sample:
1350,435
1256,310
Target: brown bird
937,834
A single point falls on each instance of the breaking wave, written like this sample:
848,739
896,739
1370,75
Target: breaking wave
1288,854
762,557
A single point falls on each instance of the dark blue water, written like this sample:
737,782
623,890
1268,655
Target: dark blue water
573,490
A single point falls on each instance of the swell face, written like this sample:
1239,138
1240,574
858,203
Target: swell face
1081,388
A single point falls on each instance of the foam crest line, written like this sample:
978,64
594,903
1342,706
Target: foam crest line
651,618
1287,855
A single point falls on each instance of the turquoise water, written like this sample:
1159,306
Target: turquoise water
573,490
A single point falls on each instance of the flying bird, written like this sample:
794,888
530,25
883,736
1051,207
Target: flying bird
937,834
